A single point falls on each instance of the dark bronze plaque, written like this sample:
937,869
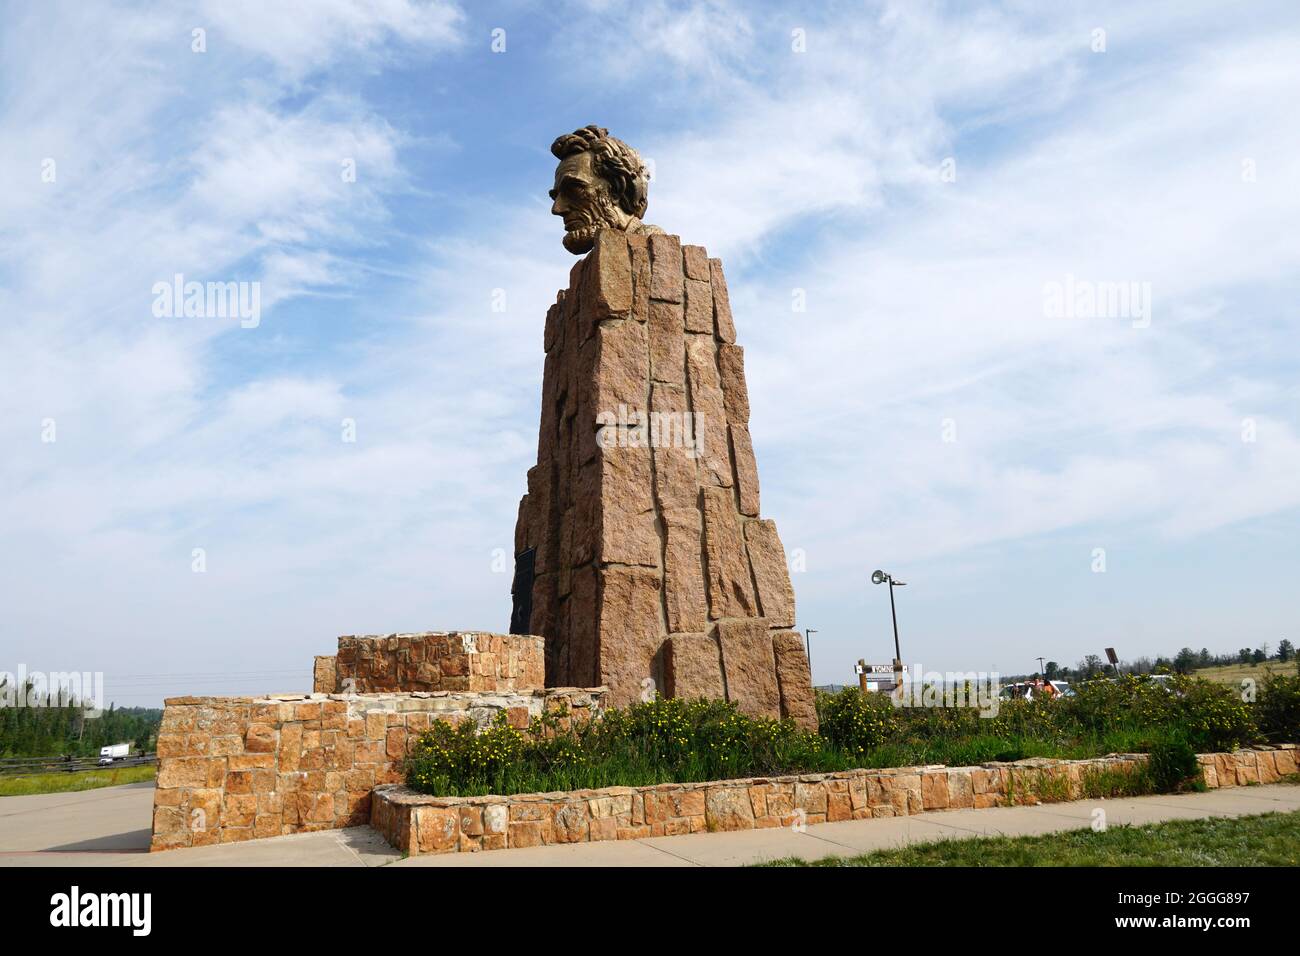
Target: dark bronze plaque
521,590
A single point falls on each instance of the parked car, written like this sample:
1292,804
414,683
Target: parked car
1012,691
1164,680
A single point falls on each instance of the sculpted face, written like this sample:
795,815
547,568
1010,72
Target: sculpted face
585,202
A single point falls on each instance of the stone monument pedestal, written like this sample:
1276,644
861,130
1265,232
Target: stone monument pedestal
651,568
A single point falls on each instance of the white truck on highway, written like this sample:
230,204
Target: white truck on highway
115,752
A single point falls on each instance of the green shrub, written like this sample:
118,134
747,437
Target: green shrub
857,723
1207,714
1212,715
1103,706
1277,709
1173,766
648,743
683,740
446,757
1046,720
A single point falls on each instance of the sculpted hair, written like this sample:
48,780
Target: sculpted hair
613,161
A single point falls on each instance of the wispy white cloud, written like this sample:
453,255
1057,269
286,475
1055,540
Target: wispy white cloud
814,171
303,36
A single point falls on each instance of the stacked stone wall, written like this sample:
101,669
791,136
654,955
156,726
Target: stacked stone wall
433,661
239,768
418,823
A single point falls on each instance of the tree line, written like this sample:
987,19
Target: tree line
1184,662
59,726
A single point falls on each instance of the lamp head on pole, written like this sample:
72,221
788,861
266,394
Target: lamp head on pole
879,577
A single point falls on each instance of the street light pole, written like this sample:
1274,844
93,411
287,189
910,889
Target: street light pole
808,632
898,654
880,577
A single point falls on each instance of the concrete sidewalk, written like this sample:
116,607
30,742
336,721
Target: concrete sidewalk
110,827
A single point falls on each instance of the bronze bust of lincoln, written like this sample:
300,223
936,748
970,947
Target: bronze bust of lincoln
600,183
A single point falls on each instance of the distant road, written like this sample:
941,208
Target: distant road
32,765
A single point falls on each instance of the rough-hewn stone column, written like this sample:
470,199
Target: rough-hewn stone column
652,568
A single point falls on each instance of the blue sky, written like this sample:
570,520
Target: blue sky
814,173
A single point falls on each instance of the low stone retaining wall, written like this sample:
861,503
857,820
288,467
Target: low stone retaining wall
237,768
418,823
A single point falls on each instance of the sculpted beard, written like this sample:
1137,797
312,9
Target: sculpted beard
604,213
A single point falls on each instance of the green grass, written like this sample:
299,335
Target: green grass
68,782
1272,839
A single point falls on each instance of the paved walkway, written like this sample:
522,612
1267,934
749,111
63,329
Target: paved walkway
110,827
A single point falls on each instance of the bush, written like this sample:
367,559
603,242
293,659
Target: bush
1278,708
1209,715
1212,715
447,758
649,743
680,740
1173,766
1104,706
1046,720
855,722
